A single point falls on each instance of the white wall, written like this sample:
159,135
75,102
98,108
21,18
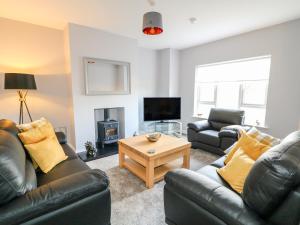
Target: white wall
174,73
282,42
89,42
28,48
168,72
163,70
147,79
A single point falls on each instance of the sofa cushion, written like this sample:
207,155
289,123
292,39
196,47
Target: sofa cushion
218,125
209,137
28,126
37,134
250,145
61,137
263,137
273,176
226,116
219,162
69,151
17,175
211,172
236,170
46,153
63,169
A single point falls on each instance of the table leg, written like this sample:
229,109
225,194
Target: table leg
121,157
186,159
150,174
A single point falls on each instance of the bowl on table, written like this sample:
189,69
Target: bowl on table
153,137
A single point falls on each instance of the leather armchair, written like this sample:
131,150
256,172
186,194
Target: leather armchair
271,194
217,133
70,194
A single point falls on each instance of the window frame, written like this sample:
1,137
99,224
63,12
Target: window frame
241,83
241,96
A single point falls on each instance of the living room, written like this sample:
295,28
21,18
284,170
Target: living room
214,60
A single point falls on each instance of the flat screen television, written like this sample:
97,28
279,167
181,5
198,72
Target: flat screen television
162,109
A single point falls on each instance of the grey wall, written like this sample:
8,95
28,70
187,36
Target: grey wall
282,43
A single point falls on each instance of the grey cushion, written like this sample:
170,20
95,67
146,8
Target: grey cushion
17,175
210,137
273,176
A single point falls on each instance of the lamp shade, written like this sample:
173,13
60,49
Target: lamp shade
152,23
19,81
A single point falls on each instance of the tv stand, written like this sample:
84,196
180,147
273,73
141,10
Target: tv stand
168,127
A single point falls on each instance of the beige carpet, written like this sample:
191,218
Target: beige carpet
132,202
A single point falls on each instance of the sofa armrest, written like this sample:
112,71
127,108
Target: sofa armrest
211,196
53,196
199,125
232,131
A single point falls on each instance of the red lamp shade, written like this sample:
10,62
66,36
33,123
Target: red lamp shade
152,23
152,30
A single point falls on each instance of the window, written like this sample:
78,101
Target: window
240,84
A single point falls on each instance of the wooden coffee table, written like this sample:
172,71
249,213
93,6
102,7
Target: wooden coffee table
152,167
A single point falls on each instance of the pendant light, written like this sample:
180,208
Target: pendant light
152,22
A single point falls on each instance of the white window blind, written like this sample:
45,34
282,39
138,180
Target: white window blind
240,84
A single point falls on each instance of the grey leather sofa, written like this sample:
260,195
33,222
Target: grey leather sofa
271,194
207,134
70,194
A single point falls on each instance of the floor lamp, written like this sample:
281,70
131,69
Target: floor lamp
22,82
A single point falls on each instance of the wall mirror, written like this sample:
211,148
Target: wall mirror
106,77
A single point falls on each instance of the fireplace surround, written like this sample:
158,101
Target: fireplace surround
109,128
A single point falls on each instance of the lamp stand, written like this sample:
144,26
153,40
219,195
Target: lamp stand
22,99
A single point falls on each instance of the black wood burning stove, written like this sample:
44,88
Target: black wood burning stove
108,130
108,136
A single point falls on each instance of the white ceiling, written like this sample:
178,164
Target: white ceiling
216,19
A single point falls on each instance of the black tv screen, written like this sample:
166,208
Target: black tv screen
162,109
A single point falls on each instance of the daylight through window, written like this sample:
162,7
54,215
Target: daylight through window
240,84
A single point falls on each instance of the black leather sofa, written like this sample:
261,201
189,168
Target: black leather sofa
207,134
70,194
271,192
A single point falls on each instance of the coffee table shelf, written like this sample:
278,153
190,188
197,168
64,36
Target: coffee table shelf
159,172
151,166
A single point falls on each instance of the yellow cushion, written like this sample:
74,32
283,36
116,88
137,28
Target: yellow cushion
250,145
27,126
37,134
46,153
236,170
263,137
